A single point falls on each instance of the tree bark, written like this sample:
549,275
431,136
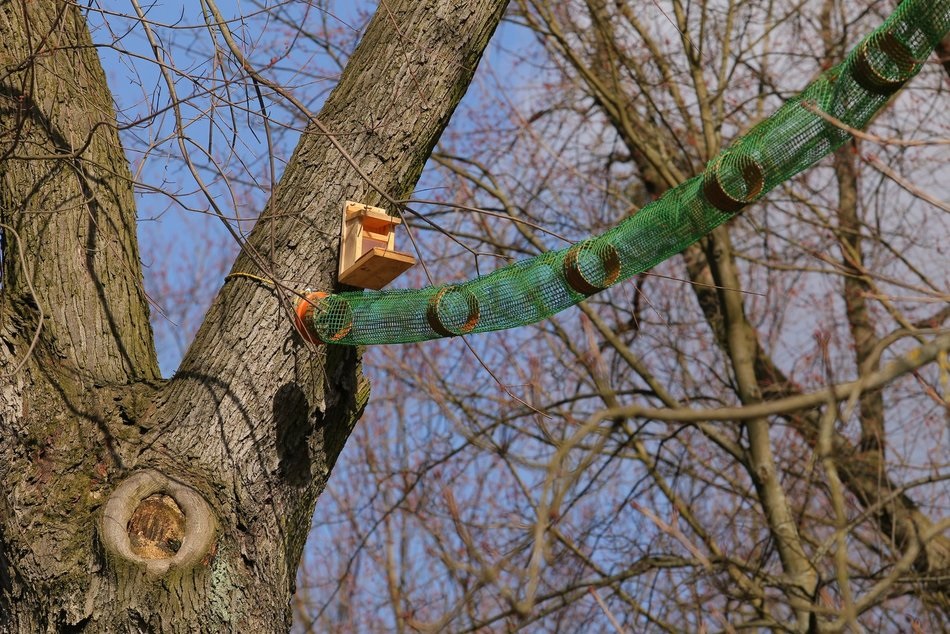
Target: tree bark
132,504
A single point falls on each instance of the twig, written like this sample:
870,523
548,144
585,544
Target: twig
603,606
915,359
812,107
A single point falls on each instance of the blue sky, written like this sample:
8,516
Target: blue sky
185,249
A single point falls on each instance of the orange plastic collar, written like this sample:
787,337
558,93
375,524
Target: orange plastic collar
302,310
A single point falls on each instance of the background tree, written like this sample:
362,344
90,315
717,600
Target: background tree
202,487
609,505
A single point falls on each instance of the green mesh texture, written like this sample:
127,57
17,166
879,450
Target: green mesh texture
776,149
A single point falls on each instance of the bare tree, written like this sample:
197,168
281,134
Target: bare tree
753,435
135,504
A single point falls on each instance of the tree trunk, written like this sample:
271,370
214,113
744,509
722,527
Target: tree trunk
133,504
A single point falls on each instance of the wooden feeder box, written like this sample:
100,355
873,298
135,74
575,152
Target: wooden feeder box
368,257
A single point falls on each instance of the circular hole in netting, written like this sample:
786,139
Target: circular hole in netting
333,318
883,63
453,311
590,267
733,181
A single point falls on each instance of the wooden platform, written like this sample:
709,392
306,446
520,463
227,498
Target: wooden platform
376,268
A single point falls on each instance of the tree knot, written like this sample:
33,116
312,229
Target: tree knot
157,523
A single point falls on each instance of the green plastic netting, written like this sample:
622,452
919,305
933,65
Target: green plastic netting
789,141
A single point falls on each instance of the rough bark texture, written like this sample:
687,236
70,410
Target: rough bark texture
67,196
254,420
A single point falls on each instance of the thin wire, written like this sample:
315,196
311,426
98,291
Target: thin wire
262,280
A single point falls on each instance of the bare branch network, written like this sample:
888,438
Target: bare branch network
750,435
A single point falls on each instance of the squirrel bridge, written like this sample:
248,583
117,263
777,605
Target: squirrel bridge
800,133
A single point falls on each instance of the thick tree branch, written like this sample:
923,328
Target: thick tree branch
67,194
789,405
741,346
255,418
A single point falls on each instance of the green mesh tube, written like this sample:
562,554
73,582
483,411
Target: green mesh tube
789,141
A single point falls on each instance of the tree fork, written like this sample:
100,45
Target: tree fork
255,418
